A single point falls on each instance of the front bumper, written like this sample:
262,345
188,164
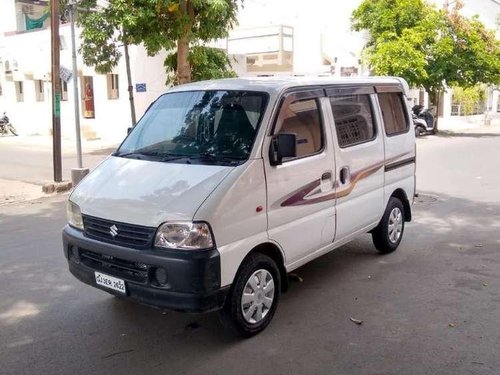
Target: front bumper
192,282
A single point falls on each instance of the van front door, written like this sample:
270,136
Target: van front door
359,155
301,212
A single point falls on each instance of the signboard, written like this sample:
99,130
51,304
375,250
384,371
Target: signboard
140,87
65,74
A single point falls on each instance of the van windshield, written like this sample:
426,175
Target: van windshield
216,127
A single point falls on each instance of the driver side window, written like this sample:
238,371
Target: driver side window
302,118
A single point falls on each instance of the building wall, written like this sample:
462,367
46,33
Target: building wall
31,51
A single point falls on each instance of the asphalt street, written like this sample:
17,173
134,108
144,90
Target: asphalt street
432,307
29,159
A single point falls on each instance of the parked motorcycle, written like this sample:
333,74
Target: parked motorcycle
6,126
423,120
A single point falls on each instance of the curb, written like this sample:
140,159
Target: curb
57,187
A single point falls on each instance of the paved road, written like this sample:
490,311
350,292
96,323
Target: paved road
430,308
29,159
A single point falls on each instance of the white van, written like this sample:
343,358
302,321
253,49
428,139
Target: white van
223,187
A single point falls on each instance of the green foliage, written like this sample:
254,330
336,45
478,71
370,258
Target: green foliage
158,24
426,46
468,98
206,63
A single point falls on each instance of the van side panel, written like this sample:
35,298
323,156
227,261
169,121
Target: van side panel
236,210
360,196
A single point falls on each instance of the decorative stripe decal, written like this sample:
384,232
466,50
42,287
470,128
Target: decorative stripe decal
311,193
399,164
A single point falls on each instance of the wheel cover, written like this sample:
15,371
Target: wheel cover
258,296
395,227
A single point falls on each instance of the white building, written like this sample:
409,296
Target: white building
273,37
25,84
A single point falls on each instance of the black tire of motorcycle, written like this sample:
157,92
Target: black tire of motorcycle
418,131
12,129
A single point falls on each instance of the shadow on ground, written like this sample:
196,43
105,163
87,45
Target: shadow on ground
411,303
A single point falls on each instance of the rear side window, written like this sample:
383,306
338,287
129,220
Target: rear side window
393,113
353,119
302,118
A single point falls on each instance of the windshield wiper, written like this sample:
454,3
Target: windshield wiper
156,155
221,158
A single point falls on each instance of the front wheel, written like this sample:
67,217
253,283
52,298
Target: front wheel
389,232
12,129
254,296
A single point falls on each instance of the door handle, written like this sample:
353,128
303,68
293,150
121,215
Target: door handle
345,175
326,176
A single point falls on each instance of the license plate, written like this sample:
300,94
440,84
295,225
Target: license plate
110,282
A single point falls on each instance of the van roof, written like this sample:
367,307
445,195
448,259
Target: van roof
275,85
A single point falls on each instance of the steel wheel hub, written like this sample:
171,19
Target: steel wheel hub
258,296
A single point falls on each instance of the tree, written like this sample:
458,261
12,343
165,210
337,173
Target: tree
469,98
428,47
172,25
205,63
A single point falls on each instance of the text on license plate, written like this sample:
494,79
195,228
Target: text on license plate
110,282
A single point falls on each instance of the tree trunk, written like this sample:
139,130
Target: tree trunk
438,104
434,98
183,66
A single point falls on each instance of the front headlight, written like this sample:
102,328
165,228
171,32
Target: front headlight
74,215
184,235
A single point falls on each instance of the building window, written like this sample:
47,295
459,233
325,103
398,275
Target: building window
113,92
19,91
353,119
64,90
301,117
392,106
88,97
39,90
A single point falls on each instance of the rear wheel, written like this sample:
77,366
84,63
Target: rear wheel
254,296
389,232
12,129
419,131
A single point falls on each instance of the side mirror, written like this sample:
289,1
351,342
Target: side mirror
283,145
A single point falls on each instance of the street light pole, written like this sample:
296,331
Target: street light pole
75,85
76,173
56,91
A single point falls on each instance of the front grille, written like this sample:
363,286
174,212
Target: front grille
136,236
124,269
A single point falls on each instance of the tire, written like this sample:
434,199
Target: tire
389,232
244,319
12,129
419,131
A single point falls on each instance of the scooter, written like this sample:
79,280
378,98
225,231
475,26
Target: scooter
6,126
423,121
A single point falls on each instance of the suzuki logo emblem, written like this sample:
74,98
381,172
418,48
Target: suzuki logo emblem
113,230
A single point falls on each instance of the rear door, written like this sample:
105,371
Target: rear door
359,155
301,210
399,140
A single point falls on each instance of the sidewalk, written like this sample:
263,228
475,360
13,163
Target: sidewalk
470,123
17,191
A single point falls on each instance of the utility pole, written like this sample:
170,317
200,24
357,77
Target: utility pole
130,87
56,91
